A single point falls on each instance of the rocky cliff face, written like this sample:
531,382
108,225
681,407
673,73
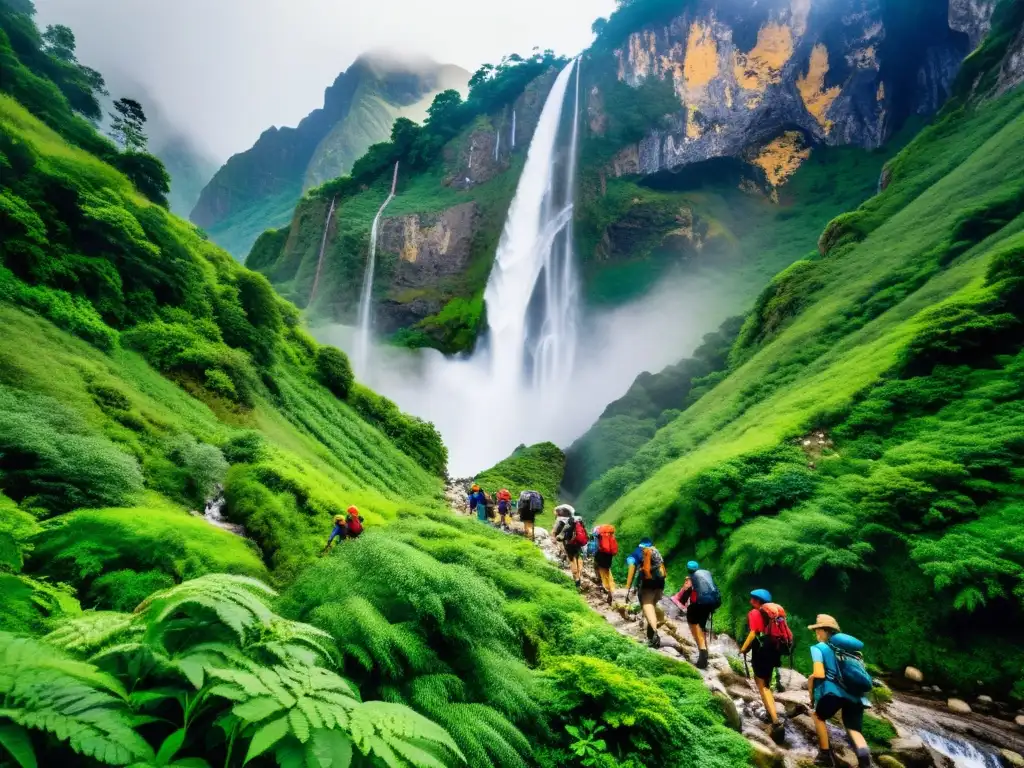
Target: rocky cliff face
972,17
774,78
258,189
429,249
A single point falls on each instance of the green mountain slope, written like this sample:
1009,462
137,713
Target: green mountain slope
258,189
144,374
861,455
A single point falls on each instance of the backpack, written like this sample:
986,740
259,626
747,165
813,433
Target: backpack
706,590
852,676
651,567
580,537
488,502
592,546
355,525
531,501
606,543
777,633
504,495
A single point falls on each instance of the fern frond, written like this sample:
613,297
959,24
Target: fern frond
93,630
396,727
484,735
44,690
238,602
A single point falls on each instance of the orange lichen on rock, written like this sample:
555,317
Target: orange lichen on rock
817,98
700,66
693,129
641,56
781,158
762,66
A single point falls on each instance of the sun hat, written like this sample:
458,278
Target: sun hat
762,594
824,621
692,566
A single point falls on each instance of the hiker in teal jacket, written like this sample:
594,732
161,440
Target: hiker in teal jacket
828,697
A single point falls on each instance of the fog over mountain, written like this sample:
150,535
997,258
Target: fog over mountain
251,64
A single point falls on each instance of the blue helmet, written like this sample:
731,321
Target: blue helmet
762,594
692,566
646,542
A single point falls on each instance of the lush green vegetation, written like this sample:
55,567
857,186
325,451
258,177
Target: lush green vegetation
142,374
901,347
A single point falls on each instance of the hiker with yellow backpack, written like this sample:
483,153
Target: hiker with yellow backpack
769,639
606,547
648,566
838,683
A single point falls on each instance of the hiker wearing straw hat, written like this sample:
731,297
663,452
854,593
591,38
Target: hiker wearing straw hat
838,684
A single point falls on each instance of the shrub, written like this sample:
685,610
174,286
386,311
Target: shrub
334,370
413,436
51,459
123,590
538,467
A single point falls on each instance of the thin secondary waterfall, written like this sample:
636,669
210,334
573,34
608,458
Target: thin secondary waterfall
323,246
531,295
513,129
497,144
366,297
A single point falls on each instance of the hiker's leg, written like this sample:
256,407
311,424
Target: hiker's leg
766,697
698,636
821,729
648,601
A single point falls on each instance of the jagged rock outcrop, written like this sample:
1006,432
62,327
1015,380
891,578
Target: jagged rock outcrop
257,189
786,75
972,17
429,249
487,149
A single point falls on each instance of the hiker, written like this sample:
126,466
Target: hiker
769,640
340,532
477,503
838,684
605,549
651,575
489,507
572,533
699,598
531,504
354,523
505,509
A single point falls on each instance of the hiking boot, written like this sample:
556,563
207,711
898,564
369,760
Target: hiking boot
702,659
825,757
778,732
611,599
579,585
863,758
654,642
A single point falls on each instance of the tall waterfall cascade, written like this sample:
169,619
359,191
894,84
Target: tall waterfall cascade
532,295
365,318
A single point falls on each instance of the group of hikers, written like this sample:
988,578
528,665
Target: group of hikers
838,682
346,526
497,508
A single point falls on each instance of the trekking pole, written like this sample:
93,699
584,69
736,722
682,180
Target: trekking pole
746,669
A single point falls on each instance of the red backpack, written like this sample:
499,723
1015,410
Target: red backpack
580,537
776,629
606,543
355,526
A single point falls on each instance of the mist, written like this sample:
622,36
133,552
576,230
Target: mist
615,346
224,71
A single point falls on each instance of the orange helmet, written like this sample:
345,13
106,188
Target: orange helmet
352,511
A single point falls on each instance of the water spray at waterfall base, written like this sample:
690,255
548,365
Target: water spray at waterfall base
528,379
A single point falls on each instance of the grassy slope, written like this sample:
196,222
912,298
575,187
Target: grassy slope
827,358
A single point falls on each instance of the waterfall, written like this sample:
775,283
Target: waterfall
513,129
323,246
366,297
532,294
497,143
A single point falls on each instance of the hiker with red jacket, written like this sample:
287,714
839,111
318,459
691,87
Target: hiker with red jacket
347,526
607,547
571,531
699,598
769,640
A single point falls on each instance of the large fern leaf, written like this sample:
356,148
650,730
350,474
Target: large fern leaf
236,601
77,703
93,630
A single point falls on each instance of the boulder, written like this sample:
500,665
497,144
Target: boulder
765,757
728,678
1019,720
742,692
914,674
806,724
729,711
1012,759
888,761
959,706
911,752
793,680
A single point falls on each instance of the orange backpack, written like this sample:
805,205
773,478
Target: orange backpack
606,542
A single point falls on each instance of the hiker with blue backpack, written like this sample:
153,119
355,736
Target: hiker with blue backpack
699,598
837,684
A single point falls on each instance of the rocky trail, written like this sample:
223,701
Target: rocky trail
929,733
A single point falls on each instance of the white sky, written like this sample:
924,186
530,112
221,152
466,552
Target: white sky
225,70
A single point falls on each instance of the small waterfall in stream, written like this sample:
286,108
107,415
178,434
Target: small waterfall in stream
366,297
497,144
513,129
